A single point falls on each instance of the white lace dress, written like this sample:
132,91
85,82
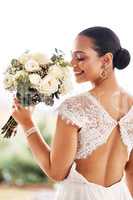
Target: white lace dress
95,126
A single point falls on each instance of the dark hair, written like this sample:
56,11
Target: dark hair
105,40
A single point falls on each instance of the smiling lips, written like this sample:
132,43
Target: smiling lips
78,73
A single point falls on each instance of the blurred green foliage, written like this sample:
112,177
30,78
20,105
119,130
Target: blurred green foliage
20,167
20,171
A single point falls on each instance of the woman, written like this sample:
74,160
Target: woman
93,142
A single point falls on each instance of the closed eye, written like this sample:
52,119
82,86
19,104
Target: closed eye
79,56
80,59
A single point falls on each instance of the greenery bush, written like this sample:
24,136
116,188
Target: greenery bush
21,168
20,171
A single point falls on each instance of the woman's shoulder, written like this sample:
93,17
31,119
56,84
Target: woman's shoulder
129,97
71,109
73,102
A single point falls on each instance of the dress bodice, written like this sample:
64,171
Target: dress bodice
95,123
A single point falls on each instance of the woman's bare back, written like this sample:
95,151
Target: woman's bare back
105,166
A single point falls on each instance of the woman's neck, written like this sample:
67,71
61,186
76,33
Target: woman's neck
109,84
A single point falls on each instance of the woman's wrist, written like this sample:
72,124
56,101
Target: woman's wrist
30,131
28,125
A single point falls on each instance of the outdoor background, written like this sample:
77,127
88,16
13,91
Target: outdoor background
40,25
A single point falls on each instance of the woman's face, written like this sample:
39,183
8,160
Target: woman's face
85,60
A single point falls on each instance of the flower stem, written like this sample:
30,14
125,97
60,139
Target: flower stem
9,127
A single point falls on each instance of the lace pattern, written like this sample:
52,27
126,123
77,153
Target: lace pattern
126,131
69,110
96,125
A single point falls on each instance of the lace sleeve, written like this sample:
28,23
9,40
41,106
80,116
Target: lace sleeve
69,110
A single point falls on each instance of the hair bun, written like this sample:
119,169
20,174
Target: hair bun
121,58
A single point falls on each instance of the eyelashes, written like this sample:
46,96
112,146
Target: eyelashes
80,59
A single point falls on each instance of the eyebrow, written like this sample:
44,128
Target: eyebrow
78,52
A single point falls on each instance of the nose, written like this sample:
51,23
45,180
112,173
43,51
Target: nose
73,63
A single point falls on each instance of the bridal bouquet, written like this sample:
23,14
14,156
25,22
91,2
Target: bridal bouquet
35,78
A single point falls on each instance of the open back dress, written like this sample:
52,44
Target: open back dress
96,126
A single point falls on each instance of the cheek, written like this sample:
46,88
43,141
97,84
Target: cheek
92,68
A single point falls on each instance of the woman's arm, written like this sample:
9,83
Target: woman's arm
56,160
129,173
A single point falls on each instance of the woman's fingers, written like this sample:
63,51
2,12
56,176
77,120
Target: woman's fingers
16,104
16,100
31,109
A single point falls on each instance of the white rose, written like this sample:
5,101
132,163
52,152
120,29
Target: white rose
31,66
9,81
24,58
66,87
20,75
56,71
35,79
40,58
48,85
66,71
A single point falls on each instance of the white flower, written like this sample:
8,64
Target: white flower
20,75
40,58
48,85
9,81
66,87
35,79
56,71
31,66
24,58
66,71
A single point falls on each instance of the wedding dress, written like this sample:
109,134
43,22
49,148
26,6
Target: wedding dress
95,125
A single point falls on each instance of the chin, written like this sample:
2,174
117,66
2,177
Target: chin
79,79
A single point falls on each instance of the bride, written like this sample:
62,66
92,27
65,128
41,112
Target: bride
92,146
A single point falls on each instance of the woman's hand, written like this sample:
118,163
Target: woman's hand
22,115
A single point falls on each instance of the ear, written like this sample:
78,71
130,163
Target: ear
107,59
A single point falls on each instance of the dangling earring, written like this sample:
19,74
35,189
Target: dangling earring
104,73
